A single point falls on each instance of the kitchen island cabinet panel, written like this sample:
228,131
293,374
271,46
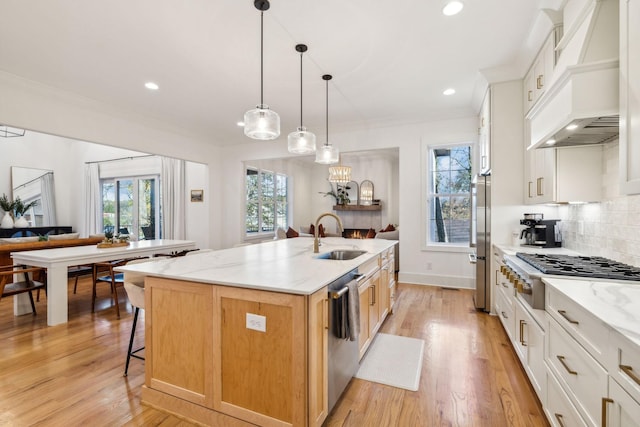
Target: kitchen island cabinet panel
182,343
318,357
274,358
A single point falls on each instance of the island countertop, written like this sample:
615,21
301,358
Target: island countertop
286,265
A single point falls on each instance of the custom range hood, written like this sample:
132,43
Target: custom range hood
581,106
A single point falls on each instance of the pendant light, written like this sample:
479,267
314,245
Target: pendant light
327,154
301,141
261,122
338,174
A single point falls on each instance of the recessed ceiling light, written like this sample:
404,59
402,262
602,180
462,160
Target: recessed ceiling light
452,8
550,142
449,91
241,124
572,126
151,86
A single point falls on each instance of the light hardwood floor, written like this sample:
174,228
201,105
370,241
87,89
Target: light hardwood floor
71,375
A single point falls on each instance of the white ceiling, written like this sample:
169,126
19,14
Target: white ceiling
390,60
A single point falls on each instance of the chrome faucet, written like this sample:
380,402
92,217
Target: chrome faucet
316,241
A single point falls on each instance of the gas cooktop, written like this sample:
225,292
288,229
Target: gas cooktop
583,266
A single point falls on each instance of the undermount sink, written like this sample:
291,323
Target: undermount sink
341,254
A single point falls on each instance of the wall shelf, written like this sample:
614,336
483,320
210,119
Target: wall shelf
357,208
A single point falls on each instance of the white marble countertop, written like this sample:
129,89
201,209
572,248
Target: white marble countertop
511,250
615,304
286,265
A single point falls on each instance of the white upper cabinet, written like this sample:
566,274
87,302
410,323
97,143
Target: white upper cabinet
629,96
484,133
540,74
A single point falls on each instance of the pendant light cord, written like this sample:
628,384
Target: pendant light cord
301,90
261,58
327,113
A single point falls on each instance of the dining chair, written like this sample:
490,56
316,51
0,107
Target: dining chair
77,271
25,284
103,272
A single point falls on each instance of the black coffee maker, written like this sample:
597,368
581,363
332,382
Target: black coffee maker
540,232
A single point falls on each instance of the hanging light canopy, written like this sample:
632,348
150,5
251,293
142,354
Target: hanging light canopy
261,122
327,154
301,141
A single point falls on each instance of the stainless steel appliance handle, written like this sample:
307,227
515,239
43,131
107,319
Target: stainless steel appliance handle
338,294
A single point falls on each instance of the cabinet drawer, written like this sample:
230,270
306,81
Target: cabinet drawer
582,325
505,312
578,371
559,409
369,267
622,409
506,288
623,364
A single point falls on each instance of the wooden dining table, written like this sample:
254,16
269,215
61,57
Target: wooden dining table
58,260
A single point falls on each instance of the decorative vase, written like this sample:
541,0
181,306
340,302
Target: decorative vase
7,221
21,222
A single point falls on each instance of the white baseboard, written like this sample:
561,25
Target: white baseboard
437,280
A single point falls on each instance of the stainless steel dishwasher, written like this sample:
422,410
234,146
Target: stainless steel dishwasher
343,354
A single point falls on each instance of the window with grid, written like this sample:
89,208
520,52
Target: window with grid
267,204
449,195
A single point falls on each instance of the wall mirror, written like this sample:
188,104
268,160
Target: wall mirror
366,193
30,185
352,192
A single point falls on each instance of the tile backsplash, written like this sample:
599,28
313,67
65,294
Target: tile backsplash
610,228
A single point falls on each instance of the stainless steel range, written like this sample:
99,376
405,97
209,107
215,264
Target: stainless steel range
525,271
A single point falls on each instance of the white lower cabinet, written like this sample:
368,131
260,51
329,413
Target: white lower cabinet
584,372
559,409
504,308
620,409
529,345
577,371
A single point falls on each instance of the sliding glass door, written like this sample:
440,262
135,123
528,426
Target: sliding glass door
130,206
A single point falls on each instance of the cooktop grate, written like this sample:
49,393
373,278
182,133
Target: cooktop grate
583,266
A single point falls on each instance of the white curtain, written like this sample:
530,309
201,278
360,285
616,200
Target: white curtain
48,199
92,199
172,211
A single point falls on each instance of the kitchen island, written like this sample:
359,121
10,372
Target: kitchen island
240,335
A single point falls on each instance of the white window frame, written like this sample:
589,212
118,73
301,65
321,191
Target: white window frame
427,177
260,233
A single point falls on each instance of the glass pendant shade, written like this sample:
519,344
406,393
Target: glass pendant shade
340,174
327,155
301,141
262,123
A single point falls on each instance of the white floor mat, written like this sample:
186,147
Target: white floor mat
393,360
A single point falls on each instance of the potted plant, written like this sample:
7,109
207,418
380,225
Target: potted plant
7,206
341,195
20,209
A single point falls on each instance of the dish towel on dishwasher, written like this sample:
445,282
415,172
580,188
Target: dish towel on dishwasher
346,313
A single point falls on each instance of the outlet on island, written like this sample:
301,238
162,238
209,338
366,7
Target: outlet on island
256,322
